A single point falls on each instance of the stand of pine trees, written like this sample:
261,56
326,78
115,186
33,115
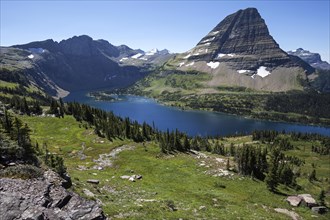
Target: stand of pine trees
15,146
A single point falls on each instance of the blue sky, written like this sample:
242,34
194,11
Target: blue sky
175,25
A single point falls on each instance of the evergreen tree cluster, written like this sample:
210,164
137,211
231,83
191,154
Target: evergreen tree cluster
15,141
281,168
21,105
15,146
53,161
264,135
324,149
252,161
311,104
173,141
106,124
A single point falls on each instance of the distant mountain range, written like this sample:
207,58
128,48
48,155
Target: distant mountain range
239,51
313,59
80,63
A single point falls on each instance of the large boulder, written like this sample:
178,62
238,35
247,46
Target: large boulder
44,198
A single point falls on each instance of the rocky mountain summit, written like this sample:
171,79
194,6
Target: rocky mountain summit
242,39
44,198
239,51
313,59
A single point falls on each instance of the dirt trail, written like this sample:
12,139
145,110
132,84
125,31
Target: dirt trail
106,160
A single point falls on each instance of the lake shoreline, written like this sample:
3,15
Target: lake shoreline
188,108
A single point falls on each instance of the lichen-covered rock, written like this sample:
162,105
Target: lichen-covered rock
44,198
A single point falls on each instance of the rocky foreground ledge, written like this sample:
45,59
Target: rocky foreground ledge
44,198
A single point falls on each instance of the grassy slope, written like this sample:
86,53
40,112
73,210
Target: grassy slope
178,178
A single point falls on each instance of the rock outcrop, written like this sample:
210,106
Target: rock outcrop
44,198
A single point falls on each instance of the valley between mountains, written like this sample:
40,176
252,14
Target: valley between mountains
69,160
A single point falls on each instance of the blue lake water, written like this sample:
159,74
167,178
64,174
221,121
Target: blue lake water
192,122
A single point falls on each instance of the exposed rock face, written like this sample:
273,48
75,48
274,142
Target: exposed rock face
243,42
82,63
239,51
44,199
313,59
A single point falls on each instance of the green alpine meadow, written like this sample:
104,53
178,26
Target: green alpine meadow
229,122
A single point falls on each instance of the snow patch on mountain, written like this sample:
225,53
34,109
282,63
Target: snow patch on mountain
186,57
136,56
190,64
262,71
123,59
224,54
243,71
152,52
213,65
31,56
213,33
208,40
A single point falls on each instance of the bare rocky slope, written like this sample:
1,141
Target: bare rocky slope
44,198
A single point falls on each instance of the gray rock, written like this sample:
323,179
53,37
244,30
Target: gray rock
308,200
294,200
132,179
88,193
125,177
320,209
44,198
202,207
93,181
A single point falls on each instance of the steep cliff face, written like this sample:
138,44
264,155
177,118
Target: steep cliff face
44,198
243,40
239,51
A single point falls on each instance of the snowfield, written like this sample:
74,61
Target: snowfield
136,56
213,65
190,64
263,72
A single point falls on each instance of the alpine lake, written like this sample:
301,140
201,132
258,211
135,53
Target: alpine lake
193,122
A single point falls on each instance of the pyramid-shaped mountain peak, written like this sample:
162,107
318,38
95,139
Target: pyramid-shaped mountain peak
241,36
